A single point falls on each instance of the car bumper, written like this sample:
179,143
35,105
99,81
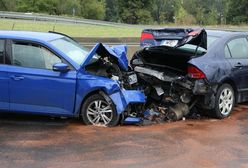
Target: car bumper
123,98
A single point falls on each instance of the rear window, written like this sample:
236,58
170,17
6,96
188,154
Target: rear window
200,50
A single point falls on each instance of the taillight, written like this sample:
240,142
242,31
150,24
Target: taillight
193,33
146,36
195,73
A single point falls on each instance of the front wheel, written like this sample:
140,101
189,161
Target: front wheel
97,111
224,102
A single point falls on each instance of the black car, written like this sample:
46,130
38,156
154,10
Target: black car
189,68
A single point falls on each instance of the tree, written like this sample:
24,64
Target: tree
7,5
238,12
203,12
164,11
183,17
112,11
92,9
135,12
43,6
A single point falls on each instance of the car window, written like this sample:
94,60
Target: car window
239,48
192,48
227,52
72,49
33,56
2,44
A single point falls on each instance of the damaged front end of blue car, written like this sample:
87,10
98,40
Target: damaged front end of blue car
106,69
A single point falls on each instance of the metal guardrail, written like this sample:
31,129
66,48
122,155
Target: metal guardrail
73,20
60,19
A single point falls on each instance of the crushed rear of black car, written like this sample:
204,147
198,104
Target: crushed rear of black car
185,69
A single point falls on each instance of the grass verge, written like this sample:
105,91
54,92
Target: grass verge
74,30
88,30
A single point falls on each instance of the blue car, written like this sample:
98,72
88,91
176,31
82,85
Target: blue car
186,69
51,74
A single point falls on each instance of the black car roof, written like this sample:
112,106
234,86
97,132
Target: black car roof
225,33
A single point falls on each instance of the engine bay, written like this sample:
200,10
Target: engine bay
106,66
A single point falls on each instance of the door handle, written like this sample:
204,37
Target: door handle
238,65
17,78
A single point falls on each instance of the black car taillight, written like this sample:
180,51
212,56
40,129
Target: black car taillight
146,36
195,73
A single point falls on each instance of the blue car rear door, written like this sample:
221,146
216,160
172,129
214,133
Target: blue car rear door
34,87
4,79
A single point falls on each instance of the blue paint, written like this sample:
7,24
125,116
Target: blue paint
43,91
132,120
118,51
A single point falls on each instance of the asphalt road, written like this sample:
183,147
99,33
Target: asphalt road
37,142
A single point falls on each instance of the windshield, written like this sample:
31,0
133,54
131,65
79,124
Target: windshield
192,48
71,48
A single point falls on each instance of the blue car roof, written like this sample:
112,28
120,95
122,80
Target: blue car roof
39,36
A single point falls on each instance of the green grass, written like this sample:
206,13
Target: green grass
74,30
87,30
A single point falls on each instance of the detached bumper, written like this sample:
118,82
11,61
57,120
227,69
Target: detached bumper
123,98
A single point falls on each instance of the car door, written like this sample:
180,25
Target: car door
34,86
4,79
237,51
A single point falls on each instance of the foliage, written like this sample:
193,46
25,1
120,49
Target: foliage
203,12
238,12
135,12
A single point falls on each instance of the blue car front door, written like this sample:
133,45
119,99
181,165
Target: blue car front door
4,79
34,86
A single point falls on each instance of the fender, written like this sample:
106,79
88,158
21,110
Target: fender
121,98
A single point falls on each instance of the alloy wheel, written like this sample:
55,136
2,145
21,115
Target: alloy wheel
99,112
226,101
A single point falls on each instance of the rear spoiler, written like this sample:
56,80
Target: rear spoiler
54,32
174,37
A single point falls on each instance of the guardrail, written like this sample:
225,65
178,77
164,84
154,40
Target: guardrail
60,19
108,40
131,42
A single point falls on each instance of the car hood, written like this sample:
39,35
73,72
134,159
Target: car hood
175,37
118,52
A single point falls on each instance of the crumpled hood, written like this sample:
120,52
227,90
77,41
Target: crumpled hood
119,52
174,37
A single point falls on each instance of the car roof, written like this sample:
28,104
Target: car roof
39,36
225,33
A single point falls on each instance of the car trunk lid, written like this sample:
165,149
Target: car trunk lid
163,57
173,37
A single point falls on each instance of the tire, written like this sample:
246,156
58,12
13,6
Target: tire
224,102
97,111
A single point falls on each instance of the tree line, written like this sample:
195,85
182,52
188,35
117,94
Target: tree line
204,12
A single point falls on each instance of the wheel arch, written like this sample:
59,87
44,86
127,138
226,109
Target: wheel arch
96,91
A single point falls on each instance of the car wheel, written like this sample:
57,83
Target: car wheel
97,111
224,101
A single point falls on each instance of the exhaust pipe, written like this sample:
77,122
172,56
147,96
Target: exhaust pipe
178,111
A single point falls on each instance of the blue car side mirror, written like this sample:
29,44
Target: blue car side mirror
60,67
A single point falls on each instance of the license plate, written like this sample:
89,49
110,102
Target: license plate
132,79
169,43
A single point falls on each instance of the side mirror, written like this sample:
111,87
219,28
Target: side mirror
60,67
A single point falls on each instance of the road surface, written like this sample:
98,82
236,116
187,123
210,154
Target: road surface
37,142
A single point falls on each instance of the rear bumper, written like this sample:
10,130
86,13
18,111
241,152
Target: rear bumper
201,87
